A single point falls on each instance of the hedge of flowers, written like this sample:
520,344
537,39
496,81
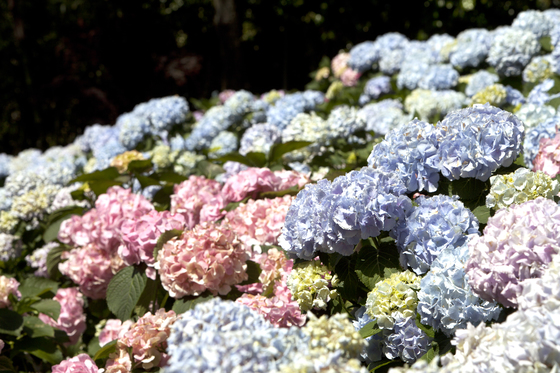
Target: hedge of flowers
400,214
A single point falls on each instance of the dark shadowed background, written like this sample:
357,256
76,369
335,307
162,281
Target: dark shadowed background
66,64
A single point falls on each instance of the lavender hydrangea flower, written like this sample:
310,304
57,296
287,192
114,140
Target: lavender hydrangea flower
545,130
437,223
363,56
480,80
410,153
535,21
446,301
224,336
259,138
509,252
333,217
480,139
407,341
511,51
439,77
374,88
215,120
382,117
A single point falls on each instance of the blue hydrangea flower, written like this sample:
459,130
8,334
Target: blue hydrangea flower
163,113
382,117
300,167
446,301
343,121
545,130
312,99
410,153
532,114
480,80
5,161
480,139
553,14
287,107
363,56
177,142
437,41
258,111
214,121
19,183
5,199
555,37
539,94
511,50
411,73
436,223
535,21
224,336
333,217
407,341
471,48
391,41
375,87
231,168
224,143
373,351
390,62
132,128
241,102
439,77
514,97
259,138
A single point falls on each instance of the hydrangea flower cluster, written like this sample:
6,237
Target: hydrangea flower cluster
38,259
307,127
333,217
533,136
259,138
480,139
533,20
186,161
251,343
121,161
478,81
446,301
224,143
407,341
542,291
470,48
375,88
81,363
547,159
520,186
140,236
147,339
533,114
114,329
72,318
287,107
511,50
437,223
539,69
494,94
363,56
439,77
381,117
393,298
10,247
311,284
343,121
508,253
192,196
427,104
214,121
8,285
208,257
259,222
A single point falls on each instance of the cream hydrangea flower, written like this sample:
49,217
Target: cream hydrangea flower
310,283
393,297
121,161
494,94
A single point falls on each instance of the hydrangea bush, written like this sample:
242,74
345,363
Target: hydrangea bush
400,210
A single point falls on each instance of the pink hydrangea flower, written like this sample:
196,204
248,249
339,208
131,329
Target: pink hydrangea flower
548,158
259,221
114,329
8,286
191,195
119,361
209,257
518,243
77,364
274,265
91,268
339,64
1,345
140,236
350,77
212,211
291,178
101,225
147,339
198,115
250,182
72,318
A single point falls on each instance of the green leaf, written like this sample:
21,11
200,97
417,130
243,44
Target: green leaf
545,43
148,296
169,177
41,347
233,205
280,193
482,213
209,170
100,187
105,351
165,236
93,346
254,271
383,363
146,181
426,329
140,166
187,303
349,282
53,259
431,353
37,286
6,365
56,219
468,189
124,291
110,173
369,329
11,322
163,196
258,159
278,150
372,262
34,327
236,157
49,307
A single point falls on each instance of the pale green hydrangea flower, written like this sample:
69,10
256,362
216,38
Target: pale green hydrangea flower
33,204
332,334
494,94
539,69
393,297
163,156
186,161
311,285
8,222
520,186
